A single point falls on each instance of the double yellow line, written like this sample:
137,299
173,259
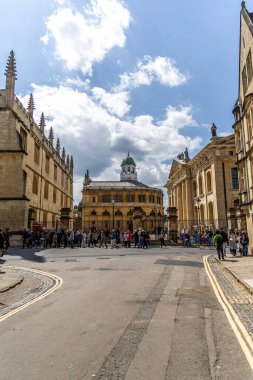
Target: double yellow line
57,283
240,332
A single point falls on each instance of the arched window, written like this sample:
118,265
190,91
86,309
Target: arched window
106,213
118,213
200,185
209,181
130,212
93,212
210,212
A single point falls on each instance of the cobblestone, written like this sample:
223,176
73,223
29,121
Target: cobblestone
237,295
43,282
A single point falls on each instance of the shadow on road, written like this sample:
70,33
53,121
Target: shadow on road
27,254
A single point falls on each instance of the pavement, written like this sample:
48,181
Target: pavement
9,278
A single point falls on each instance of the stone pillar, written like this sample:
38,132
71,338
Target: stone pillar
65,218
172,224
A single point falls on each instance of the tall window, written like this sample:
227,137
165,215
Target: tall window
106,198
249,125
208,181
142,198
23,139
35,184
244,80
62,178
47,164
46,190
55,172
194,189
36,153
118,198
130,197
234,175
54,195
249,66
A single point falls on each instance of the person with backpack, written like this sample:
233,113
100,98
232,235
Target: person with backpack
218,242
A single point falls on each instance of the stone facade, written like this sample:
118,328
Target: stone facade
243,126
36,181
125,204
203,191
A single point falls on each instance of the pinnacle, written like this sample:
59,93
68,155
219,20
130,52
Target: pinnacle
10,70
42,123
31,106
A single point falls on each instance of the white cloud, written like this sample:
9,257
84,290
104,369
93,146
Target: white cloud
158,69
116,103
84,38
99,140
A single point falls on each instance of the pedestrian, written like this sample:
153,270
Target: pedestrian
244,243
1,243
232,242
225,240
136,238
162,242
218,242
113,240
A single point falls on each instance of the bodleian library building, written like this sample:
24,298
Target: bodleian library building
126,204
36,187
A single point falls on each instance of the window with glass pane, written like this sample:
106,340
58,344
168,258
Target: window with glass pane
234,174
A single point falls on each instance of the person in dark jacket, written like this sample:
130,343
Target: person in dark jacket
1,243
225,240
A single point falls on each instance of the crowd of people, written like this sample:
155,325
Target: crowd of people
76,238
237,241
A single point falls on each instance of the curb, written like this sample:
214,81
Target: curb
241,282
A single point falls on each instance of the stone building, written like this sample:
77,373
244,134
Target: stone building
243,125
36,187
203,191
125,204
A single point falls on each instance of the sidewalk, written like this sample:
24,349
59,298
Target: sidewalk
9,279
241,267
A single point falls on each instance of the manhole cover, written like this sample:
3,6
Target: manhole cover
103,258
70,260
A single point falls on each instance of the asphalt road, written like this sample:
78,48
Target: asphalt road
121,314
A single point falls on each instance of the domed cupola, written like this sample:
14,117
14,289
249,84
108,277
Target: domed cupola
128,169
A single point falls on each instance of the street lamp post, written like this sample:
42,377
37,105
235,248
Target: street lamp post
113,203
198,201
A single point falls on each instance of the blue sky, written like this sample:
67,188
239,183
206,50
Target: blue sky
113,76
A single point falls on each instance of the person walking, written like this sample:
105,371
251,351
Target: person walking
232,242
218,242
1,243
244,243
225,240
162,242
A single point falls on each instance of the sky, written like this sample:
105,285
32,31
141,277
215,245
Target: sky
112,76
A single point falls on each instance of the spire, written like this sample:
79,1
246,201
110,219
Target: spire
58,146
51,136
71,163
11,76
31,106
42,123
243,5
63,155
87,179
10,70
67,160
213,130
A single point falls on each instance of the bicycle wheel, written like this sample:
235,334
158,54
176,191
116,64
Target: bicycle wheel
202,246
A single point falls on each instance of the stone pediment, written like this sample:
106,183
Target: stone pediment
175,167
